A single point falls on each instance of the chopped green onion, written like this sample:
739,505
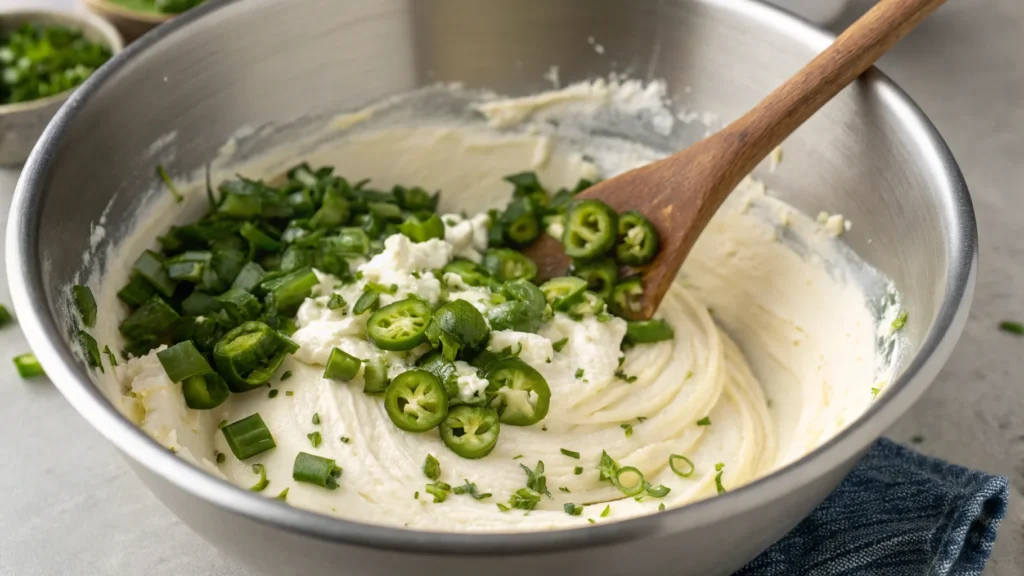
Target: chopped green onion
607,510
705,421
431,467
661,507
375,375
283,495
628,428
220,457
628,480
900,321
342,366
345,439
647,331
1012,327
577,470
5,315
272,394
315,438
90,349
564,489
675,462
316,470
718,478
658,491
336,301
248,437
557,346
287,374
570,453
316,418
579,373
150,266
262,483
86,304
170,185
239,305
136,291
286,294
572,509
420,228
28,366
249,277
289,393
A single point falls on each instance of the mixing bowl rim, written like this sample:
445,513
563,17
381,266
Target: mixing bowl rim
25,273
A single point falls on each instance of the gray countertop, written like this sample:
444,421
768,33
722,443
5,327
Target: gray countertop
70,505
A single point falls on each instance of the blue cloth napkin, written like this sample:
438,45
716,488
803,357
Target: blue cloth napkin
897,514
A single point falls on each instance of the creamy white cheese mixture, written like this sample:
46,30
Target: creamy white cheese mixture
774,351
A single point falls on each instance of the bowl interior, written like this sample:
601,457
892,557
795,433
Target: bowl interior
867,155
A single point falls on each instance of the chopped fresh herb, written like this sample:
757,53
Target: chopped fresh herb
577,470
289,393
572,509
900,320
316,418
1012,327
28,366
916,439
287,374
689,374
416,494
39,60
517,456
110,356
439,490
471,489
262,482
222,424
607,510
5,316
591,520
705,421
579,373
85,302
557,346
607,467
90,349
315,438
564,489
272,393
570,453
875,391
658,491
283,495
162,173
431,467
345,439
628,428
624,377
248,437
718,477
661,507
641,419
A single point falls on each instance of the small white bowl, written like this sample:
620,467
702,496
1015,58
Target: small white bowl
21,124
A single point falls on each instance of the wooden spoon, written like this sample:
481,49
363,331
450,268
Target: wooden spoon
679,194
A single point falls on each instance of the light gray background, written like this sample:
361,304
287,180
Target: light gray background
69,504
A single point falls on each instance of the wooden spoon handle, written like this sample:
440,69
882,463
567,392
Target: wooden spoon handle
754,135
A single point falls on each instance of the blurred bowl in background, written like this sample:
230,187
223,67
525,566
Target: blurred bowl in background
22,123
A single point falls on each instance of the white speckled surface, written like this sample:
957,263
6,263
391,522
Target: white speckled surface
70,505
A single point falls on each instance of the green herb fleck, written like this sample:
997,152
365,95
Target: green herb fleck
900,321
262,482
916,439
564,489
336,301
431,467
572,509
661,507
718,478
5,316
287,374
624,377
517,456
283,495
111,357
220,457
314,438
579,373
439,490
557,346
316,418
705,421
272,393
471,489
570,453
345,439
289,393
628,428
577,470
607,510
1012,327
170,185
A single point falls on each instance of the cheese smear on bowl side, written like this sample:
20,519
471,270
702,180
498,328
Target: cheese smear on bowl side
775,349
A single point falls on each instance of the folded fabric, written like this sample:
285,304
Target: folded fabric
898,513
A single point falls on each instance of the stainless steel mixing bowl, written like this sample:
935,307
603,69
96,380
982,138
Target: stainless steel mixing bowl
870,155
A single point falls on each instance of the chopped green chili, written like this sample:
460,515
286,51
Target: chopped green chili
249,355
505,265
590,229
248,437
90,350
342,366
1012,327
648,331
316,470
375,375
638,240
5,316
718,477
399,326
900,321
415,401
570,453
439,490
422,227
457,327
600,275
629,480
627,297
557,346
